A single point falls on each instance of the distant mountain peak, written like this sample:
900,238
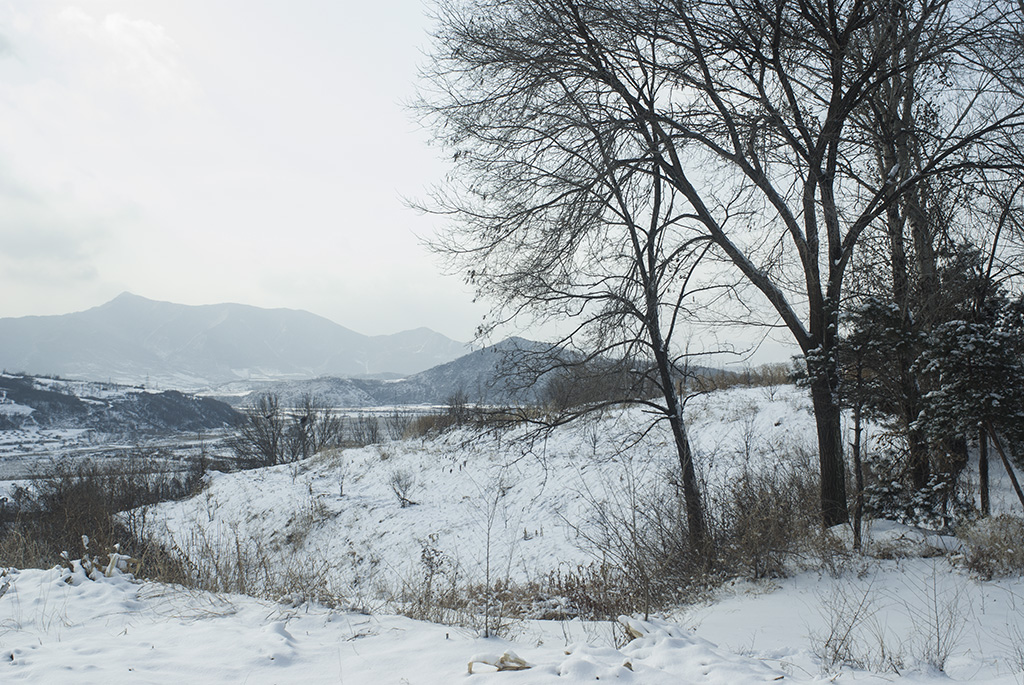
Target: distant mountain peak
126,297
132,338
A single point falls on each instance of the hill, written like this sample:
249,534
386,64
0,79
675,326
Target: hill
501,509
499,374
31,402
478,375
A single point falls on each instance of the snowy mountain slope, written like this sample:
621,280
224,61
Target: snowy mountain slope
132,339
39,402
329,390
477,375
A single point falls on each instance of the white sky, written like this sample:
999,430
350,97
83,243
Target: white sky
207,151
204,151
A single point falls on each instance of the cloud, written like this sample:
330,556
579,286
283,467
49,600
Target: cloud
6,47
129,51
44,234
52,251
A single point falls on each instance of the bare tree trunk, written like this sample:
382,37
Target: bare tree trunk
858,474
830,452
694,509
986,507
696,526
1006,462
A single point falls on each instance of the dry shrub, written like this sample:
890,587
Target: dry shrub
233,562
593,592
766,375
765,519
436,590
51,515
480,417
764,523
21,547
433,592
994,546
427,424
639,531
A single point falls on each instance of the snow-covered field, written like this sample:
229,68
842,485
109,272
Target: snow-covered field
335,527
61,426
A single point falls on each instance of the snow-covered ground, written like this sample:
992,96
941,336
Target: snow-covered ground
522,506
336,527
57,625
112,630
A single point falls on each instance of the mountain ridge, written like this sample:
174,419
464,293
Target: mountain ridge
30,403
479,376
133,339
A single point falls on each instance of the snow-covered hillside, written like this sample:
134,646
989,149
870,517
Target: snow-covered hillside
37,402
334,529
522,505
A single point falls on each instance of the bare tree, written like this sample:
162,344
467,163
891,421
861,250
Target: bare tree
739,115
269,433
589,230
314,427
260,438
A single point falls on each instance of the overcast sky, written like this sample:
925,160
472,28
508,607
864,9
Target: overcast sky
205,151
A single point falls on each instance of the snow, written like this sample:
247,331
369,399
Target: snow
119,630
522,506
521,509
87,390
11,408
116,630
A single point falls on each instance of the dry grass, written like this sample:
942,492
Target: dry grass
994,546
50,516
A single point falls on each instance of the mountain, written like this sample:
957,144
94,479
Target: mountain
40,402
509,372
478,375
132,339
481,376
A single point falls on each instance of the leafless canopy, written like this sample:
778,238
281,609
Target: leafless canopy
601,147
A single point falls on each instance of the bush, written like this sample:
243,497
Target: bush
590,593
889,495
765,519
994,546
402,483
87,500
764,523
364,430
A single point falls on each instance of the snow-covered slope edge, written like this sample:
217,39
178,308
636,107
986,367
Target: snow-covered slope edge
519,505
337,519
